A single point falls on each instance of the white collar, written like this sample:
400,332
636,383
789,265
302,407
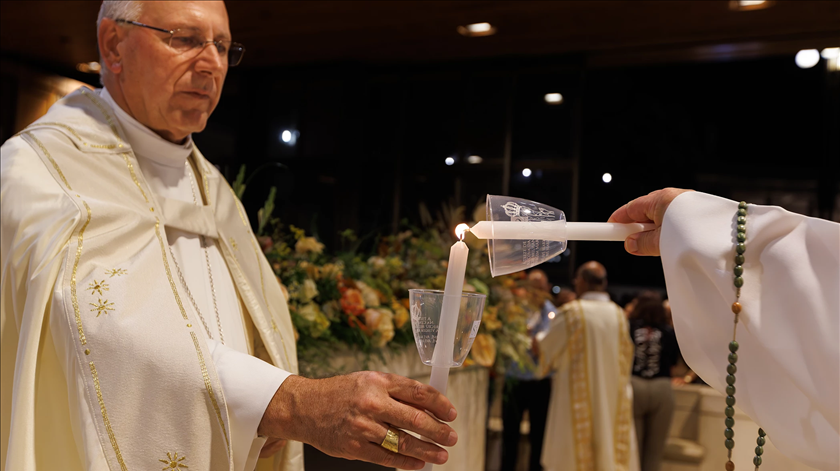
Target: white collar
145,142
595,296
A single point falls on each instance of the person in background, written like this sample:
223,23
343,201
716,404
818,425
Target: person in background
587,346
656,352
524,391
566,295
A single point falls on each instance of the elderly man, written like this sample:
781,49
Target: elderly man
588,347
134,294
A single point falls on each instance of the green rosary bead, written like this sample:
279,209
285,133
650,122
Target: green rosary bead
730,379
760,441
731,369
742,219
730,400
730,390
739,259
729,411
742,205
730,422
733,346
728,433
738,270
733,358
742,211
761,432
740,248
759,450
739,282
729,443
757,461
741,237
742,228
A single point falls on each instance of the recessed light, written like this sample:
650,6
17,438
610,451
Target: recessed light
474,159
526,172
289,136
89,67
830,52
807,58
449,161
747,5
476,30
606,177
553,98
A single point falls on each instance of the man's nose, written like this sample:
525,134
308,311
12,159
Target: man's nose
210,61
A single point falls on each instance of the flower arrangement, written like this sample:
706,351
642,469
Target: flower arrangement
356,301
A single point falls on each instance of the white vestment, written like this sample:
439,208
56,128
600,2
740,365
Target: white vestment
39,245
589,424
788,378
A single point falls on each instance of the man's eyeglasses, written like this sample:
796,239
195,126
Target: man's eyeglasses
186,40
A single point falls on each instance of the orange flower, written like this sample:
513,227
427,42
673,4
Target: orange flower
352,302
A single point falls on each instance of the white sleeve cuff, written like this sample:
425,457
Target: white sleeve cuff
248,384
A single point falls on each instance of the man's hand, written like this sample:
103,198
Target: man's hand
646,209
348,416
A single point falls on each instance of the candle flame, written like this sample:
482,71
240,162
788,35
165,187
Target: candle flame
460,230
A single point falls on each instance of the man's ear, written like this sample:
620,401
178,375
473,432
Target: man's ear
109,36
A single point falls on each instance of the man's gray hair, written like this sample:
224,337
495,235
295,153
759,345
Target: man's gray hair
126,10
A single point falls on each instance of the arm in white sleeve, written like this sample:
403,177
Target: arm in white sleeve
248,384
788,378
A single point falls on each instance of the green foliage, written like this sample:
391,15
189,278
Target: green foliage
239,184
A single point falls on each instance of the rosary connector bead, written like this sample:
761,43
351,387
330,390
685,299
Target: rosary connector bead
736,308
730,466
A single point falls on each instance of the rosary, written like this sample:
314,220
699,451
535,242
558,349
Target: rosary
740,248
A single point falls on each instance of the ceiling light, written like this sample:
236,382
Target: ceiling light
289,136
476,30
830,52
474,159
746,5
555,290
807,58
89,67
606,177
553,98
526,172
449,161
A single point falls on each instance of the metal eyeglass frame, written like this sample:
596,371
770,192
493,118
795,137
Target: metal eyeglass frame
233,46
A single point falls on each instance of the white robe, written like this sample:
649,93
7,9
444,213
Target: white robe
248,384
788,378
589,426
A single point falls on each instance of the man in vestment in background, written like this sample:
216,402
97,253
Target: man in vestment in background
788,366
588,348
135,296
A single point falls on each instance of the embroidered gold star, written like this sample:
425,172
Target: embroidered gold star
174,462
103,307
116,272
97,287
233,243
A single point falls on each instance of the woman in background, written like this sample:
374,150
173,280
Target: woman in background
653,399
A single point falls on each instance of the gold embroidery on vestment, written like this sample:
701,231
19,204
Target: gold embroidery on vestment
168,271
134,177
259,267
52,161
74,299
97,287
173,462
580,396
209,387
108,427
621,432
75,134
102,307
233,243
116,272
108,118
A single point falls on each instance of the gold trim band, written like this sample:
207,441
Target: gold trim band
209,387
108,427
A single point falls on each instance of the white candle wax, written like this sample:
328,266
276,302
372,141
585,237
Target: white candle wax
448,325
557,230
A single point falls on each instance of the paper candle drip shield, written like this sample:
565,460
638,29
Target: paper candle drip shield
522,234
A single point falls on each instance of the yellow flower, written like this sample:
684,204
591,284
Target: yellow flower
484,350
380,322
370,295
331,270
308,291
312,270
401,315
491,318
308,245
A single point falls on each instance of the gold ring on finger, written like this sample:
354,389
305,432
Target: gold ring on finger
392,440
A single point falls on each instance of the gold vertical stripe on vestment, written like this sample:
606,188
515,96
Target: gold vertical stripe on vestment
73,296
621,431
581,403
52,161
209,387
168,271
259,267
102,409
74,133
105,113
134,175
